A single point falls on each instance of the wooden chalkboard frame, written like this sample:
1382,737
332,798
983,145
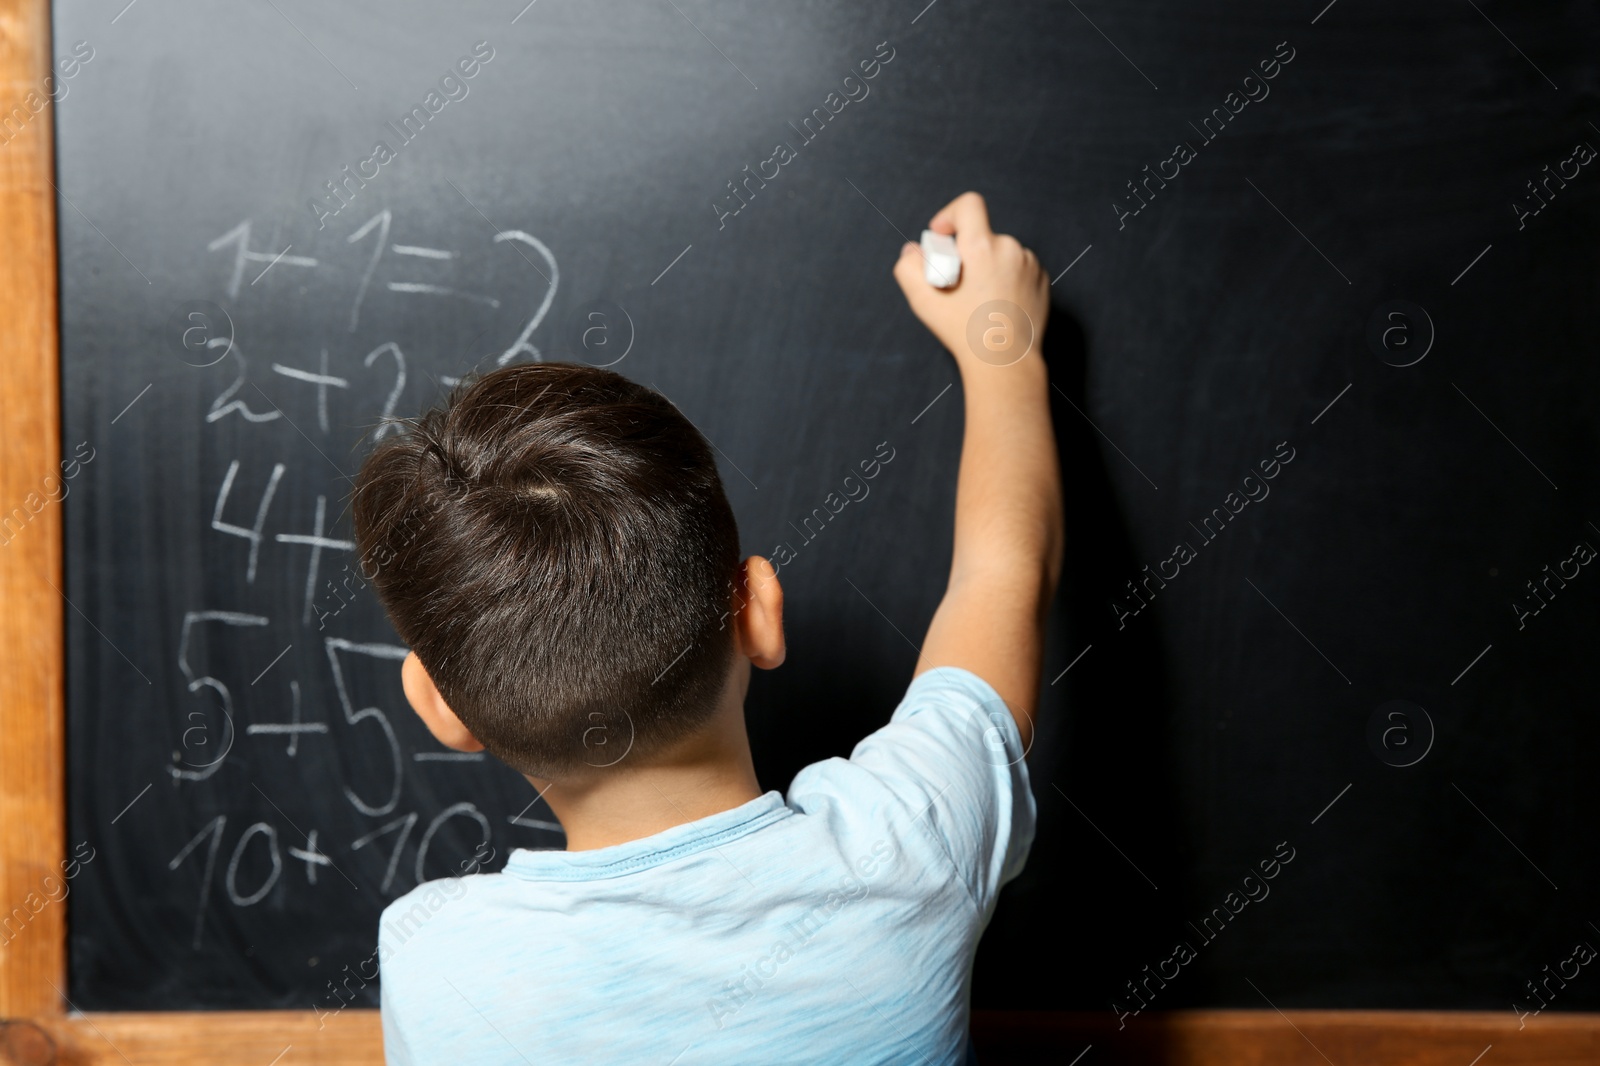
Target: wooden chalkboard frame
34,1008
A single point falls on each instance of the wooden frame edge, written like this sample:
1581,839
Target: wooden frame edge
189,1038
1003,1038
32,740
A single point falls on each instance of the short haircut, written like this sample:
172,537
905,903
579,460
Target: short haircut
555,545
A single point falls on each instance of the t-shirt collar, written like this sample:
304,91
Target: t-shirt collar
556,864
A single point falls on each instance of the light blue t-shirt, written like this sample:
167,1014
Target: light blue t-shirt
835,926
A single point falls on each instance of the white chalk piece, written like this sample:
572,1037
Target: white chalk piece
941,263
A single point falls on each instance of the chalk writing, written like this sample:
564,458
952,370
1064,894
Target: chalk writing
203,770
352,717
317,543
214,829
230,868
253,533
292,728
323,381
239,237
225,404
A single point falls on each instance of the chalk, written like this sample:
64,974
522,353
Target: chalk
941,263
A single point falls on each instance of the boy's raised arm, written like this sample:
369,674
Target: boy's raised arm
1009,528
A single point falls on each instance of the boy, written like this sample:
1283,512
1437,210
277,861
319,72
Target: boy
558,553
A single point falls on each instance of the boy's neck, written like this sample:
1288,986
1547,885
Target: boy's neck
705,774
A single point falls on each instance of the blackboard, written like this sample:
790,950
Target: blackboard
1324,317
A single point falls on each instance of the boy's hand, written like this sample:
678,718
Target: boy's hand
994,267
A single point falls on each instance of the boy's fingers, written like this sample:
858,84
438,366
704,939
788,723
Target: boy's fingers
967,216
908,268
966,212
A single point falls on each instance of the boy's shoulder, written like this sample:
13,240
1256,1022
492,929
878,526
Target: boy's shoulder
947,776
440,910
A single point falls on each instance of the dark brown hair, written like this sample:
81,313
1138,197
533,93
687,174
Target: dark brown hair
555,545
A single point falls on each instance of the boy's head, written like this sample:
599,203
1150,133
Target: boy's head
555,546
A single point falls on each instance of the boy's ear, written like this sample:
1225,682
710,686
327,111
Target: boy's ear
432,709
758,614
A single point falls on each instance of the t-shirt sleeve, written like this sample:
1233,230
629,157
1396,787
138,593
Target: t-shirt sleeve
951,754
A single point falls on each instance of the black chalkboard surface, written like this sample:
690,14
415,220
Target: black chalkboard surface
1318,701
